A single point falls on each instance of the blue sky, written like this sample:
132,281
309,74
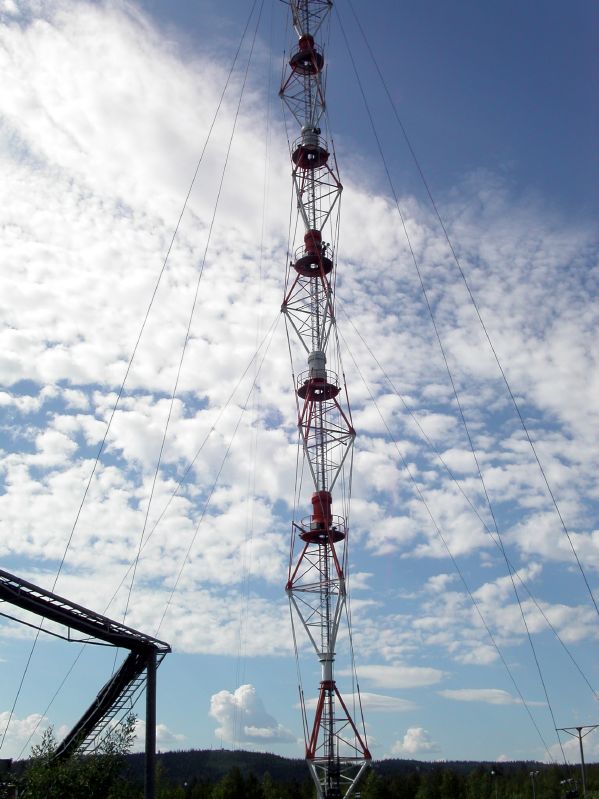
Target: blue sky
102,121
508,86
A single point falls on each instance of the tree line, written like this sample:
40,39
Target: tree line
111,773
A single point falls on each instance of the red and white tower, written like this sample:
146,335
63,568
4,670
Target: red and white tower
336,751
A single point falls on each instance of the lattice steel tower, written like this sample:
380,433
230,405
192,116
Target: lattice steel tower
336,751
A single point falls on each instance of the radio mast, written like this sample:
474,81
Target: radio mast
336,752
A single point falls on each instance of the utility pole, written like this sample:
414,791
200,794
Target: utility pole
336,752
576,732
534,774
494,774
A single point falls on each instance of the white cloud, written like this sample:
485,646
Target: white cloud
416,741
399,676
10,7
439,582
491,696
372,703
118,227
380,703
165,738
571,746
242,718
19,731
442,622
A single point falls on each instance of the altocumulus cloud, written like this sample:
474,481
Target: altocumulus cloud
73,303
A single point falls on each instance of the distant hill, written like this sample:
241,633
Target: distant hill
213,764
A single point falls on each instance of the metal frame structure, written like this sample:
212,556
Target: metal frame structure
577,732
121,690
336,752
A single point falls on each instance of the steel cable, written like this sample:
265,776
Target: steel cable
446,362
455,564
175,492
476,308
128,369
472,506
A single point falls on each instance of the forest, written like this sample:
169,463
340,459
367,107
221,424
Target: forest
391,779
113,773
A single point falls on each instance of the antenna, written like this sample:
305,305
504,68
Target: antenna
336,752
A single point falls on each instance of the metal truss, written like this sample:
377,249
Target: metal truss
336,752
120,692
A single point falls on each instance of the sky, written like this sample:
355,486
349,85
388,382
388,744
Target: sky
105,110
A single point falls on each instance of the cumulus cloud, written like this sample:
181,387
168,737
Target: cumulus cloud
416,741
165,738
571,746
20,730
242,718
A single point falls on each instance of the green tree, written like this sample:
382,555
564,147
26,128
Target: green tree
374,787
269,787
429,786
475,786
232,786
253,788
450,785
198,789
405,786
96,776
